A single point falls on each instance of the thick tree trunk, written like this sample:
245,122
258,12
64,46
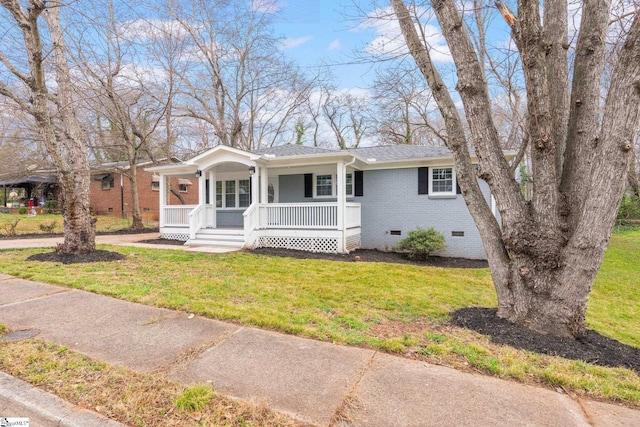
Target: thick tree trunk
545,258
73,162
54,115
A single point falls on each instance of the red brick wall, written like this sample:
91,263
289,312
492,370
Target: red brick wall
109,202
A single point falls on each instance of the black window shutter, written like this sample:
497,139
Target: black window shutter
358,183
458,190
250,190
308,185
423,180
206,192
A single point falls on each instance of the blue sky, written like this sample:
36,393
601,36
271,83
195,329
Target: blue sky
322,32
325,31
333,31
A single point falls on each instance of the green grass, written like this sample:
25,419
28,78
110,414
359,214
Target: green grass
195,398
393,307
32,225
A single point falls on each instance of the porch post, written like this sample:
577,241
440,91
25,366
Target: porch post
202,187
255,185
163,199
341,192
212,197
264,185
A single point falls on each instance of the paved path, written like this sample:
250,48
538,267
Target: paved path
313,381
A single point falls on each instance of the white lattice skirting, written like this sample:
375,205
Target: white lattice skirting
309,244
182,237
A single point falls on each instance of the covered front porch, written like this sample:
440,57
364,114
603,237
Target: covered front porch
239,196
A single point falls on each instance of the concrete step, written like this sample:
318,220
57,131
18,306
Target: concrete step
221,231
208,241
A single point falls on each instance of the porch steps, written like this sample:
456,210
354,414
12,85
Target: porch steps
218,237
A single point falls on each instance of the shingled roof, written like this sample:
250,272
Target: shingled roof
380,153
292,150
399,152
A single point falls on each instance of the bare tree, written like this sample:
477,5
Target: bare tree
32,60
238,82
346,114
124,91
404,108
545,256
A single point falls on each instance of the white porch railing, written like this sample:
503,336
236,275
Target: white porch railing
353,218
200,217
299,215
177,215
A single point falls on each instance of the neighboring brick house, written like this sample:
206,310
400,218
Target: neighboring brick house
110,192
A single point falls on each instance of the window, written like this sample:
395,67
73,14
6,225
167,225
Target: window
155,183
442,181
107,182
183,188
233,194
230,194
349,184
218,194
244,193
324,185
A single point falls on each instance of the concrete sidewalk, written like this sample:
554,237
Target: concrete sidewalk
310,380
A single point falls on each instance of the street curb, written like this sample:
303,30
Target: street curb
19,399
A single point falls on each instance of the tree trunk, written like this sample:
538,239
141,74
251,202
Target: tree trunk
54,115
545,257
634,182
73,163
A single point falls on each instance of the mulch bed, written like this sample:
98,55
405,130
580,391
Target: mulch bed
372,255
591,347
95,256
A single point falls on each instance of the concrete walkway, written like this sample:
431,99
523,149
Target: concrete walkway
313,381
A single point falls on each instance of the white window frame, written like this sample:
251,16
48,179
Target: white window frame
432,192
334,183
236,194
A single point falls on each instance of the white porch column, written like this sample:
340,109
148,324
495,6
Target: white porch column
341,192
163,199
202,188
212,196
255,185
264,185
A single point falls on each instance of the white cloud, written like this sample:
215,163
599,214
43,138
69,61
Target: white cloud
388,40
334,45
152,29
290,43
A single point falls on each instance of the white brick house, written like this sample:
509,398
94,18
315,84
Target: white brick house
321,200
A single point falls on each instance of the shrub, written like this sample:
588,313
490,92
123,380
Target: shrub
419,243
48,228
51,204
22,210
629,208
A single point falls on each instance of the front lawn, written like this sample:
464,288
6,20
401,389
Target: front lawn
397,308
45,224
